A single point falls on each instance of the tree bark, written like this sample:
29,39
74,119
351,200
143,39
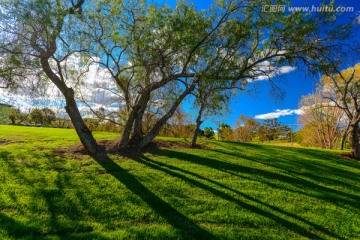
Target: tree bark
354,139
133,126
344,136
137,132
71,108
197,128
125,137
85,135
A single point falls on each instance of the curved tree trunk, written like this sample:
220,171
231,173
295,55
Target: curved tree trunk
197,128
354,140
71,108
84,133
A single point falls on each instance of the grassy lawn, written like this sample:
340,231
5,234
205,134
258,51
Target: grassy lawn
226,191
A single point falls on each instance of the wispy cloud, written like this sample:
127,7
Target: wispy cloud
278,72
266,70
279,113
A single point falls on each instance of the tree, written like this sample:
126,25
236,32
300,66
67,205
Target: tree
5,111
41,36
323,122
246,128
225,132
272,128
209,132
37,116
158,54
48,116
211,98
262,134
343,89
17,117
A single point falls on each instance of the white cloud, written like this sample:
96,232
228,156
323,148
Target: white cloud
95,86
279,113
272,72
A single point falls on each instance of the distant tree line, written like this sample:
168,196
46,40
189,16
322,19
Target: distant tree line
248,129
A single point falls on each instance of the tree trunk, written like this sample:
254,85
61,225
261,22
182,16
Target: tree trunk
133,126
354,140
197,128
344,136
82,130
137,132
71,108
125,137
156,129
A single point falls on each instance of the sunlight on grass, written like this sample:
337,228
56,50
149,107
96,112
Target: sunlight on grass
226,191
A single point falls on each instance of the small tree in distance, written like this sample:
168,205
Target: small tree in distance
209,133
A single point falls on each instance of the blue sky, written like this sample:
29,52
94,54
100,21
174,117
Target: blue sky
295,84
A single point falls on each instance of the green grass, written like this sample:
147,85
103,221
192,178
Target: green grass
227,191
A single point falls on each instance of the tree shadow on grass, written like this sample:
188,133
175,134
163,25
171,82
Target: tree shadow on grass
174,172
54,227
319,154
295,162
298,172
294,165
292,183
17,229
188,229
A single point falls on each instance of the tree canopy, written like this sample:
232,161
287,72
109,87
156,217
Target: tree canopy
157,55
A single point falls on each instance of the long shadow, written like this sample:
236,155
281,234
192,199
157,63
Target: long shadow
17,229
337,196
187,228
287,224
173,168
314,170
289,165
321,155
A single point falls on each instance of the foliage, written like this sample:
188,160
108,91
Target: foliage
43,116
209,133
37,116
5,112
18,117
48,116
225,132
342,88
323,122
246,128
271,128
157,55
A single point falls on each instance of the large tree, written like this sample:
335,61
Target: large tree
157,55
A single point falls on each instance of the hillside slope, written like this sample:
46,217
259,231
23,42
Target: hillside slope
223,191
